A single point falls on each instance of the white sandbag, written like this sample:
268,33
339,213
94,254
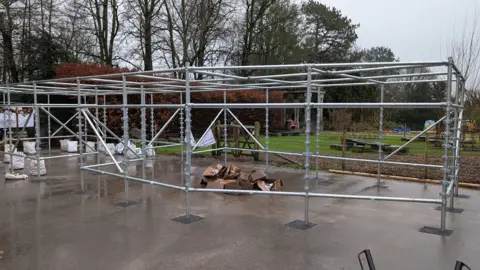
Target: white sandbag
100,147
29,148
131,153
148,163
33,167
64,145
18,161
150,152
8,149
111,147
119,148
132,169
15,176
88,149
72,146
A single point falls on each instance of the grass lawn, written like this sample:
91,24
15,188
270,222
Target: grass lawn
297,144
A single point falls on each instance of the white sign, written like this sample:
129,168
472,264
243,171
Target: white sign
22,119
192,140
207,140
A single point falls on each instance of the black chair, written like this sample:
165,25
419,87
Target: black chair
461,266
371,266
369,259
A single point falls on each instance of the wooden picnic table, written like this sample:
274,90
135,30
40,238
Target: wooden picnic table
373,145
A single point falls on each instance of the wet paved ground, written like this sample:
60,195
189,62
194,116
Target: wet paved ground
45,225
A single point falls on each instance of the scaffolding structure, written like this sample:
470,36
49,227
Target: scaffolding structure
312,79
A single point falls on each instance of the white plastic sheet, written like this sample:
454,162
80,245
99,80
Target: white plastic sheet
88,149
8,149
29,148
33,167
72,146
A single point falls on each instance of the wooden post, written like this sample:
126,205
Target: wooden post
256,155
216,134
427,140
235,138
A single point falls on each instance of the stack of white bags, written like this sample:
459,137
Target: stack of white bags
33,167
29,148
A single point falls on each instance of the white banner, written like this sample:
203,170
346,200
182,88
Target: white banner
207,140
22,119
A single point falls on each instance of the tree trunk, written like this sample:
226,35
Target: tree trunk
148,58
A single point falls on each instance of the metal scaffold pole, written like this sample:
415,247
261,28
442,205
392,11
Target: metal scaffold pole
4,110
37,130
125,139
104,118
225,128
143,119
455,142
266,133
79,134
307,145
317,132
459,134
49,128
446,146
10,127
97,116
182,138
380,137
188,141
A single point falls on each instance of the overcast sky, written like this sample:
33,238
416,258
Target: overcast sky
415,30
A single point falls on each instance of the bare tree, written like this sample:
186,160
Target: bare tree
104,15
195,31
143,16
74,32
10,71
254,12
465,50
